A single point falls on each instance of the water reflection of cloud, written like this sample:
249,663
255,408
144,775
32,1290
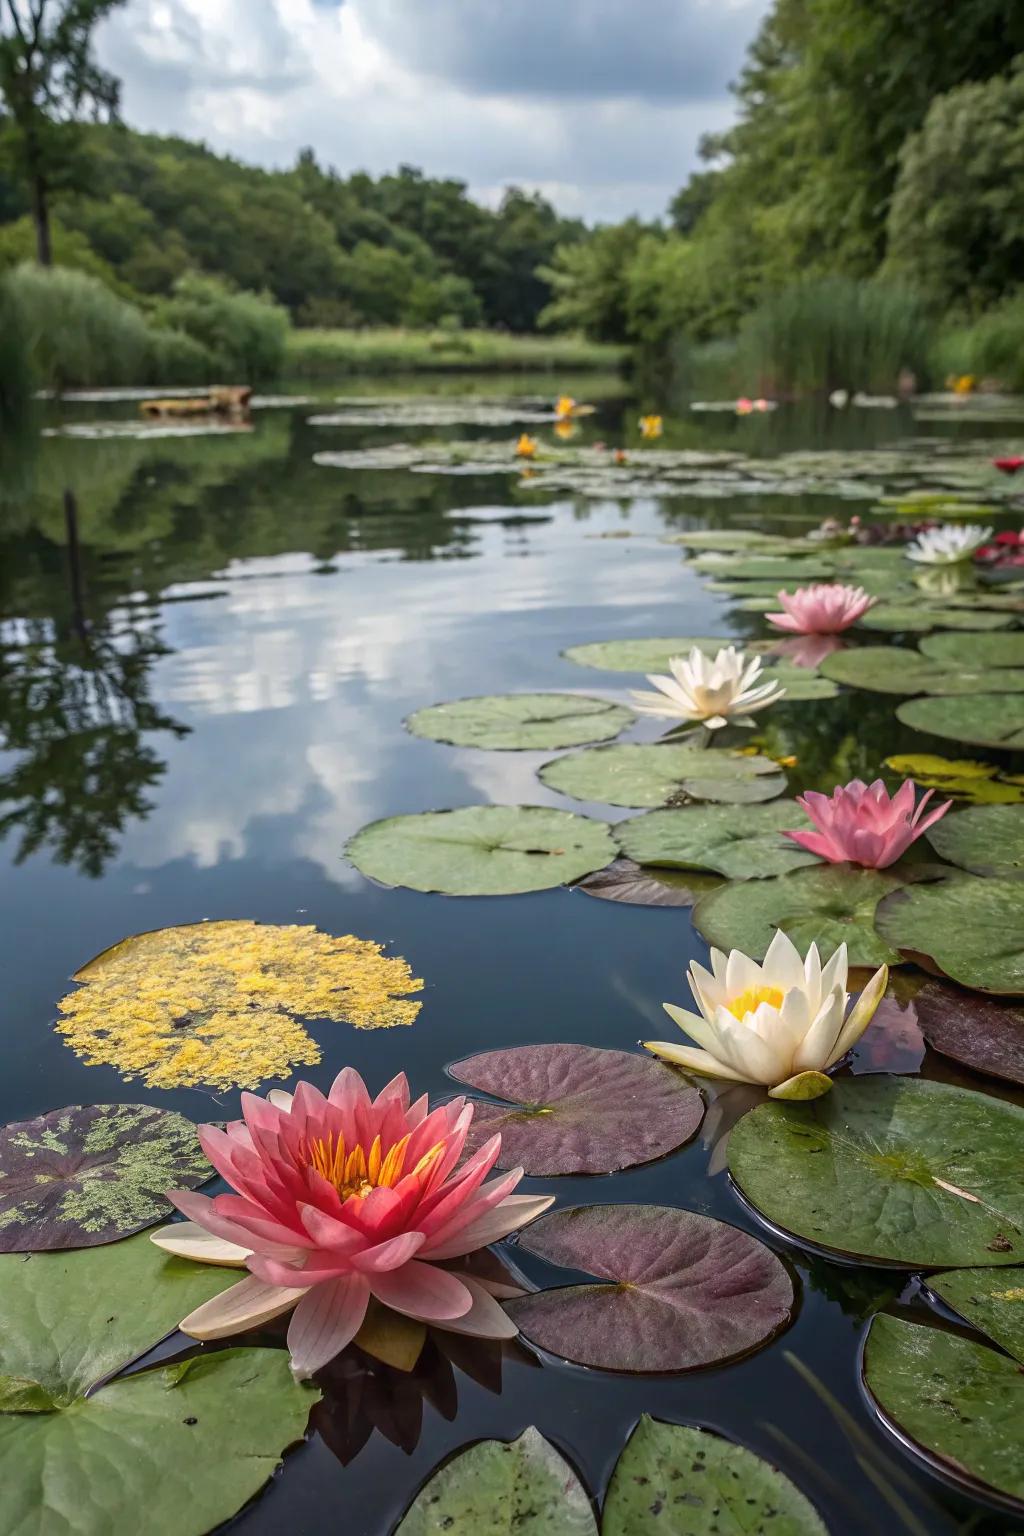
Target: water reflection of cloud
297,684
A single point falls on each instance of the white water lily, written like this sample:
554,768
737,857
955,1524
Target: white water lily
782,1024
947,544
711,690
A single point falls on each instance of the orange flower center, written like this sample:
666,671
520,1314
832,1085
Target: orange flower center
358,1172
750,1000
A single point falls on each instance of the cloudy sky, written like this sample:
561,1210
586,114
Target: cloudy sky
598,103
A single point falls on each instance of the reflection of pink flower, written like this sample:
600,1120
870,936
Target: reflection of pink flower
825,608
1007,548
862,824
343,1198
807,650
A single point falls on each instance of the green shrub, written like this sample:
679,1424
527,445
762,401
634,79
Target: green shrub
176,358
247,332
992,348
835,333
77,331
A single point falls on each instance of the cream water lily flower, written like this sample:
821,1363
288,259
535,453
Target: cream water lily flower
711,690
947,544
782,1024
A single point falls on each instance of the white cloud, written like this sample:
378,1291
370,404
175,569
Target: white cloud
598,107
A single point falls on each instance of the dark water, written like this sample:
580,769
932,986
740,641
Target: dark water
256,630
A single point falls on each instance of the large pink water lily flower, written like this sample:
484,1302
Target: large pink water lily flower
863,824
342,1198
824,608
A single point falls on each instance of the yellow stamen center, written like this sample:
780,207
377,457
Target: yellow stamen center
750,1000
357,1172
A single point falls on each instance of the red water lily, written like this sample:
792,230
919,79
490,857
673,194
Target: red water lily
1010,465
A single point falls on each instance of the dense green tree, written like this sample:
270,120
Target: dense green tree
49,82
589,281
956,225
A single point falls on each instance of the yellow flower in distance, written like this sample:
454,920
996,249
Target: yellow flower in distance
651,426
526,447
565,406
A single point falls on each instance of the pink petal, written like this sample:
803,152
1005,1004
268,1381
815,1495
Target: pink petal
326,1319
422,1291
512,1213
390,1255
201,1210
485,1319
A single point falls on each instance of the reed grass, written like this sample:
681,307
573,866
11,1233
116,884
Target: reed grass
315,354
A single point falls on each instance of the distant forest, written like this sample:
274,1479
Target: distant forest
401,249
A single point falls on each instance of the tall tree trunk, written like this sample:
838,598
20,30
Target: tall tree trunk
41,219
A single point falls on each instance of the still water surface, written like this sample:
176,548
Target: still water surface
258,628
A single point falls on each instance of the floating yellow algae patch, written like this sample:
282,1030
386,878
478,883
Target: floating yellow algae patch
218,1004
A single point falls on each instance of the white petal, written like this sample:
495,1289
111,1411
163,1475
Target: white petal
741,973
783,966
815,1051
861,1014
280,1099
188,1240
703,1031
701,1062
246,1305
835,972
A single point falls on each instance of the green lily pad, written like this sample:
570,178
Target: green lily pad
482,850
800,683
918,617
802,568
67,1320
983,1033
986,839
495,1488
677,1480
828,905
92,1173
986,719
743,842
960,1402
991,1300
970,927
646,777
975,651
642,655
522,721
680,1290
625,881
578,1108
889,669
174,1452
728,540
889,1170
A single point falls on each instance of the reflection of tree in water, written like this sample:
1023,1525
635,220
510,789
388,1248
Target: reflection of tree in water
74,706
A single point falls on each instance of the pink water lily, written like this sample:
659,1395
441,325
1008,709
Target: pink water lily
825,608
341,1198
863,824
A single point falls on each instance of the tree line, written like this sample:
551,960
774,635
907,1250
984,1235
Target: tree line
877,141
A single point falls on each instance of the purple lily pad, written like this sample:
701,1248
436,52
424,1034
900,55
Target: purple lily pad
92,1173
641,886
685,1290
579,1109
983,1033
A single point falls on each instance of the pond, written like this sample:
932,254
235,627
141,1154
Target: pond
196,727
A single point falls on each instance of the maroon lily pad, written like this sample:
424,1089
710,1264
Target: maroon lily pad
984,1033
643,886
92,1173
579,1109
685,1290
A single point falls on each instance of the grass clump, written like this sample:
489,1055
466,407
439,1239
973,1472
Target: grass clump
321,353
835,333
991,348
